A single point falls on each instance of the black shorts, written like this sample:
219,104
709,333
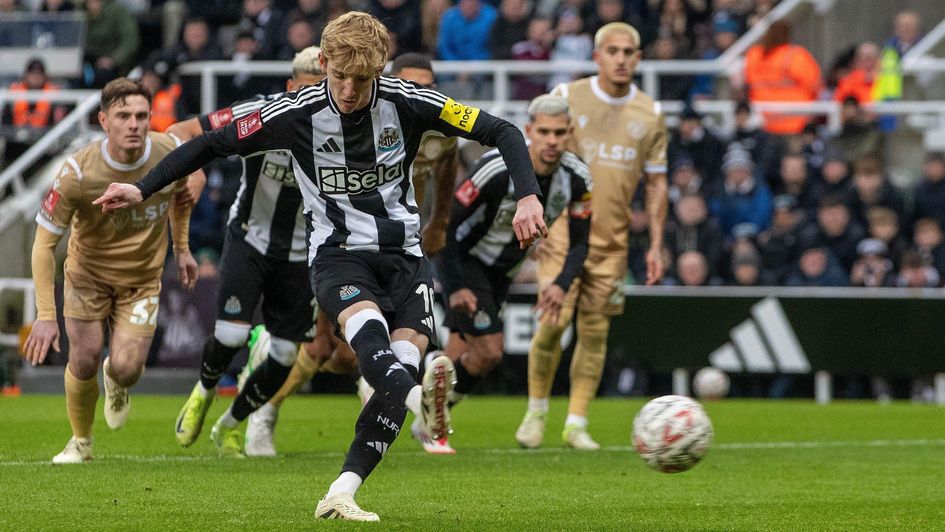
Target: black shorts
491,288
247,275
401,285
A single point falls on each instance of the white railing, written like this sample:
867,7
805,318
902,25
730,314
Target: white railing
29,306
76,120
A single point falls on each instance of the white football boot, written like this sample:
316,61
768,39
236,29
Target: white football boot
342,506
438,382
577,437
260,430
532,430
77,451
431,446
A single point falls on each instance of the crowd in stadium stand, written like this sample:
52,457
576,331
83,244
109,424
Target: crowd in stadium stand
776,202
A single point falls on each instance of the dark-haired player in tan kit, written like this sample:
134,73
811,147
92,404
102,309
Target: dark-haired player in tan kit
113,266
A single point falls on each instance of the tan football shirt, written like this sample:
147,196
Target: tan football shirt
126,248
619,139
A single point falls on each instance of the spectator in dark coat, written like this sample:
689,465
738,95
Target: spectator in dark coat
835,174
929,243
929,193
835,230
510,27
915,273
778,245
883,225
692,229
794,180
817,267
704,148
872,189
744,197
265,21
402,18
765,152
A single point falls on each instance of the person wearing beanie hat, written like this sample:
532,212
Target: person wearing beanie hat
744,198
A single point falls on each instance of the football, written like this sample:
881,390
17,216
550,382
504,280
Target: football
672,433
710,383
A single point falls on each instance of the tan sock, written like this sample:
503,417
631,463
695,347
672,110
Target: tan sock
81,397
302,371
587,364
544,355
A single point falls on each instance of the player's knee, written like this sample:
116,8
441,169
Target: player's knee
83,367
231,333
318,351
124,372
547,336
592,329
283,351
364,319
406,352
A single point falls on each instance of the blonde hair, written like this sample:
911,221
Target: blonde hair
616,27
306,62
356,43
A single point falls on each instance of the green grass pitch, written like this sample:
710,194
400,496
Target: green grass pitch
773,466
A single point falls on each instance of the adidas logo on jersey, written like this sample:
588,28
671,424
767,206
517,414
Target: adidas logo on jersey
343,180
329,146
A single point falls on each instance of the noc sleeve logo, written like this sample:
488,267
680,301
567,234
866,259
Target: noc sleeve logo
248,125
220,118
459,115
467,193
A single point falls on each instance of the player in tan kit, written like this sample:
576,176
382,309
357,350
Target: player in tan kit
620,134
113,265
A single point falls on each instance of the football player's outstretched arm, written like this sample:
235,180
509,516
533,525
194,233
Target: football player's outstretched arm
184,131
457,120
253,136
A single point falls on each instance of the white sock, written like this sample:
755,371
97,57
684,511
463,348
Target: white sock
227,419
347,482
538,405
267,409
205,393
580,421
413,400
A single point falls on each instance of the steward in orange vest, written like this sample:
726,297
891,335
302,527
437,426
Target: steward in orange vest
778,71
37,114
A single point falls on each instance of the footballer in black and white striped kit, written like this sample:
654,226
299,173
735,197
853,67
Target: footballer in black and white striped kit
482,255
264,259
369,273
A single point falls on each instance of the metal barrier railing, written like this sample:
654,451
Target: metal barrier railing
29,306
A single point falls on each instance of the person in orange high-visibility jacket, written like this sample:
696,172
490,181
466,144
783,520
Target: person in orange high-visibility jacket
38,114
778,71
164,107
858,83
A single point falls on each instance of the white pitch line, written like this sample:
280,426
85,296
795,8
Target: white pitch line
547,450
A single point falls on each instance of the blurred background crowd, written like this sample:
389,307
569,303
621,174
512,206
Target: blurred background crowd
776,201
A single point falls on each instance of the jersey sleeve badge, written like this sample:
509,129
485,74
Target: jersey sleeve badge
248,125
467,193
458,115
220,118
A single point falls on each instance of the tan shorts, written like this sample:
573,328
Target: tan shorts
134,310
598,289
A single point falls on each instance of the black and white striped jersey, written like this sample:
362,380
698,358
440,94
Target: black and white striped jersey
483,208
353,169
267,213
